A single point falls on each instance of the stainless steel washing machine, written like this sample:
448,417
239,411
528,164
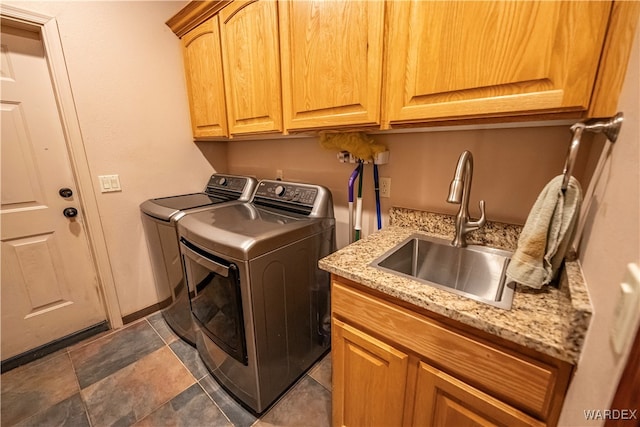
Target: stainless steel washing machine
260,301
159,218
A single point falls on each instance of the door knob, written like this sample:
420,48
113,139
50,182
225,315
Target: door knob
70,212
65,192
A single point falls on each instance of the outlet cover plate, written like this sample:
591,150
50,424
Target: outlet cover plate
385,187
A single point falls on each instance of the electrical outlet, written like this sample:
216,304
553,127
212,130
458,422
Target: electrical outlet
385,187
279,174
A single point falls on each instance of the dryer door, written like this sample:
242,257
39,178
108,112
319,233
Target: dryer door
216,302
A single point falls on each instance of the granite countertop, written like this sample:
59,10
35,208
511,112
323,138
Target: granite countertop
552,320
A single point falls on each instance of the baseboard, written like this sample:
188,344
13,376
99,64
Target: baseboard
52,347
145,311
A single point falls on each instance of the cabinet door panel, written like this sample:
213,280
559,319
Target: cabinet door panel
203,68
331,62
443,401
455,59
249,31
369,379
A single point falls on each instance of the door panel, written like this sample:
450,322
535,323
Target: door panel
369,379
453,59
249,32
17,165
49,287
36,258
204,75
331,62
444,401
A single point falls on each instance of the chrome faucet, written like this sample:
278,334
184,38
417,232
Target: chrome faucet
459,191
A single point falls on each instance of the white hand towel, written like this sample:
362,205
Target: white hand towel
546,235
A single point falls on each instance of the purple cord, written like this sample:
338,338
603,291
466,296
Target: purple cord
352,181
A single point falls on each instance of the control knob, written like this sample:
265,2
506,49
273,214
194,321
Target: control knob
222,181
279,190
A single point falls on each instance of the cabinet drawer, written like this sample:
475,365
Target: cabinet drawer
518,380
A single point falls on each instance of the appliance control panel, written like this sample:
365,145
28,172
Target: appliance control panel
225,182
287,192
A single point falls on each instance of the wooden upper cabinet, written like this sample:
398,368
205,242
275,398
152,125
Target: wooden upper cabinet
256,66
203,70
331,62
451,60
251,58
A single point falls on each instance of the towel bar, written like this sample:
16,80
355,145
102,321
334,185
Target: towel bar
610,126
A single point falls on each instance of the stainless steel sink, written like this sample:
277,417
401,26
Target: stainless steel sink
476,272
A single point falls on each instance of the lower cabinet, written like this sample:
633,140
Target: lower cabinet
396,367
372,377
442,400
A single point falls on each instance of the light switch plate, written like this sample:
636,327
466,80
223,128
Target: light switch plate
627,309
109,183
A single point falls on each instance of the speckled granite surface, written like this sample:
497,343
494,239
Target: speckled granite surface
552,320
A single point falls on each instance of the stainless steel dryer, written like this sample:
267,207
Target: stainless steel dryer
261,302
159,218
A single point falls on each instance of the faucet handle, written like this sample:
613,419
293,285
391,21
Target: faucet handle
474,225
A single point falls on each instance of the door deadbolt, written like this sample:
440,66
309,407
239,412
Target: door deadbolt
70,212
65,193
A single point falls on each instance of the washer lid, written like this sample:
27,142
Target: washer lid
189,201
245,231
220,188
164,208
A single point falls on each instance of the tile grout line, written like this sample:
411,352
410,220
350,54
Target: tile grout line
166,344
196,380
156,331
318,382
75,375
282,397
63,352
214,402
91,423
175,355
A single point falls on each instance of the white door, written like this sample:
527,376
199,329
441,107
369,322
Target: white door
49,287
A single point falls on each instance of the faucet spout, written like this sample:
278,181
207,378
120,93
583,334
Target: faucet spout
459,192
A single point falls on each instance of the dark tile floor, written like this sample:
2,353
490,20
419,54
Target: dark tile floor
144,375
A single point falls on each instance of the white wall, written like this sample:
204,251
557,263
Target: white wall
126,73
611,240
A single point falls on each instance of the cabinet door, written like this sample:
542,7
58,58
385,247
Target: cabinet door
443,401
203,68
460,59
331,62
369,379
249,31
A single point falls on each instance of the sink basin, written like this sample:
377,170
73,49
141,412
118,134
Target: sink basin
476,272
